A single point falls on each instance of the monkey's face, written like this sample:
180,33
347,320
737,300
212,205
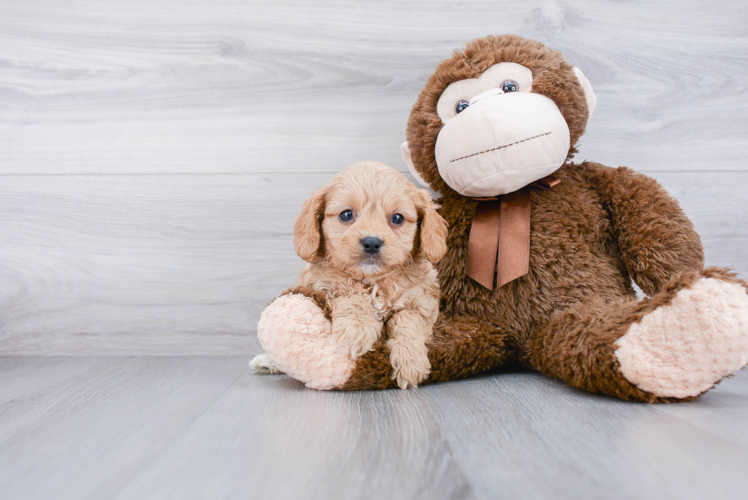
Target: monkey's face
497,130
498,136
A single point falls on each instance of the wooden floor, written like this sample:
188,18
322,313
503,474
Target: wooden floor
206,427
154,155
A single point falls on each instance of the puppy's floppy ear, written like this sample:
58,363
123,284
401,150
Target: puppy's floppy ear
307,232
433,229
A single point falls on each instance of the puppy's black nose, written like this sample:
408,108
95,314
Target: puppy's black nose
371,244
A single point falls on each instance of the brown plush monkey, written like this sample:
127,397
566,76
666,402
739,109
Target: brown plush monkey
539,268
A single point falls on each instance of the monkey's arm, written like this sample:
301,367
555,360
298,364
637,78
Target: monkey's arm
655,238
295,330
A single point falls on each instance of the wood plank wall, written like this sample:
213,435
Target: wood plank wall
155,153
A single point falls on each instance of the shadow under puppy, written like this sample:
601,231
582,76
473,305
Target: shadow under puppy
370,238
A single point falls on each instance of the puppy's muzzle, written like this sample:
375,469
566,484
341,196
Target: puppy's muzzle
371,245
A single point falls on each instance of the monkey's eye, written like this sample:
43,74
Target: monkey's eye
346,215
510,86
398,219
461,106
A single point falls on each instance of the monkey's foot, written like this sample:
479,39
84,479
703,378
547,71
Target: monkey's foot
297,338
681,349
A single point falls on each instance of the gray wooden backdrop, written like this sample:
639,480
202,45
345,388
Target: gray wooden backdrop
154,153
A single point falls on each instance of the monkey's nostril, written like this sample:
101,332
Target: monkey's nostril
371,244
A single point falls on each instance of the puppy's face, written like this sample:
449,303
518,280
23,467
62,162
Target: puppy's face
371,220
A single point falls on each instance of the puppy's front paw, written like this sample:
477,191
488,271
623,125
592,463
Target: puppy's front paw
353,338
410,363
263,364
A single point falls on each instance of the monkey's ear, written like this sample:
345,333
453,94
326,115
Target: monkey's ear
405,151
433,230
307,232
588,93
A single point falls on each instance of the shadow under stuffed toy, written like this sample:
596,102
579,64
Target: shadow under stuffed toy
539,267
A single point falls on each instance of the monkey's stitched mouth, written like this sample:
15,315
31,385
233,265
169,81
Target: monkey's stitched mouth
499,147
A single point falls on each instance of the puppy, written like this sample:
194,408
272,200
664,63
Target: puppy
370,238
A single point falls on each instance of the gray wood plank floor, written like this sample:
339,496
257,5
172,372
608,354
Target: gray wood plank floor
206,427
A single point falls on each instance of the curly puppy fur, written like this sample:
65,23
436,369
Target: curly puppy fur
394,289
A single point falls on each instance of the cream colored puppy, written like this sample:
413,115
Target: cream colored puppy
370,238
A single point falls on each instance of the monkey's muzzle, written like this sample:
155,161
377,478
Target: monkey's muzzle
501,143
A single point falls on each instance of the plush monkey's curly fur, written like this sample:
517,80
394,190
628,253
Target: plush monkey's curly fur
591,235
553,77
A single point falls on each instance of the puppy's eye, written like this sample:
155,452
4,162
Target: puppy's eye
346,215
397,219
510,86
461,106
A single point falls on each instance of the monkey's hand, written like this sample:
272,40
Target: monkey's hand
655,238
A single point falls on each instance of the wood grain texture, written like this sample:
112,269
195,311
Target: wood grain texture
269,437
154,86
154,154
85,437
21,376
153,157
185,427
721,412
185,264
532,437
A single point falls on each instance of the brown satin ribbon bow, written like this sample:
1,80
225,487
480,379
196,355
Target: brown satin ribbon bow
502,224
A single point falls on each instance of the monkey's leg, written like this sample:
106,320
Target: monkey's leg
672,346
458,348
296,332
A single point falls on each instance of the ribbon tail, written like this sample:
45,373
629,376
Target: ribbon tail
547,182
514,243
484,243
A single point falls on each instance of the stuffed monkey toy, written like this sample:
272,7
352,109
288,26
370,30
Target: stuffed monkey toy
541,251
